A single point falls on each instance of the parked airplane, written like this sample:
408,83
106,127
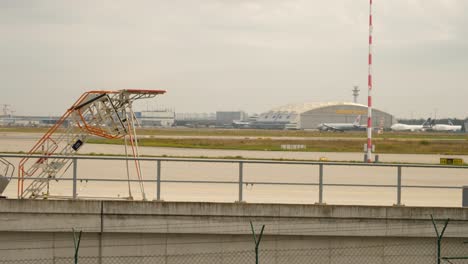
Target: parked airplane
404,127
446,128
342,126
241,124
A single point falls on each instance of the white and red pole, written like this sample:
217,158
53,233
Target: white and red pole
369,95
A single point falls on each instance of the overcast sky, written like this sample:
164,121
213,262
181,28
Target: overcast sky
236,55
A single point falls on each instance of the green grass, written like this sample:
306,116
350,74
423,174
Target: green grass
295,133
271,140
455,147
260,133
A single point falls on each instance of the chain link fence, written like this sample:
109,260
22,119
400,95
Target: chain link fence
412,253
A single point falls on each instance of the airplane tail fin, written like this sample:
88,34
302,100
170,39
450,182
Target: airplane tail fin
428,123
357,121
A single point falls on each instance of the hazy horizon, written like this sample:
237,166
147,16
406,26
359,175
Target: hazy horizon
236,55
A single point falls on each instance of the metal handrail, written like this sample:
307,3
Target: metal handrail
245,161
240,182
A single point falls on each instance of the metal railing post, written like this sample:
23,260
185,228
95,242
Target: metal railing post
75,171
241,181
399,186
320,183
158,181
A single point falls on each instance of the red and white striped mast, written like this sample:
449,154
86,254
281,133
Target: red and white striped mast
369,95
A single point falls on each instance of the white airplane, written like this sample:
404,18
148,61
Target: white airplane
446,128
404,127
342,126
241,124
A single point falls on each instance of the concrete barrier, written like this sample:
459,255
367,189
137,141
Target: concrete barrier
203,227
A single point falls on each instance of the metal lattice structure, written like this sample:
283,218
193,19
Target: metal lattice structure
106,114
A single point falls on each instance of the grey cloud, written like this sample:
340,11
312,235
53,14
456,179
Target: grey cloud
248,55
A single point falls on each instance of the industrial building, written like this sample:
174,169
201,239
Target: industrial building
28,121
195,119
156,118
310,115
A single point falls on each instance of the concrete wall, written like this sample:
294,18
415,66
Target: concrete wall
41,229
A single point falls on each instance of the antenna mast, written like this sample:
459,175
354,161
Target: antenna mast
369,97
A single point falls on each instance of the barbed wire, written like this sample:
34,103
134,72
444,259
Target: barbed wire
169,244
230,229
220,223
315,228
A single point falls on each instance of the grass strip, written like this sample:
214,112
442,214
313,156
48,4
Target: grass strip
261,133
459,147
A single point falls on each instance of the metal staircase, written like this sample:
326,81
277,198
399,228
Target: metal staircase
106,114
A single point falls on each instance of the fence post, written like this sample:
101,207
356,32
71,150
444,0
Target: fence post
321,183
257,242
75,169
76,243
439,237
241,181
399,186
158,181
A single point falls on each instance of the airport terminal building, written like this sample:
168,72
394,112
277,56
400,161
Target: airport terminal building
310,115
